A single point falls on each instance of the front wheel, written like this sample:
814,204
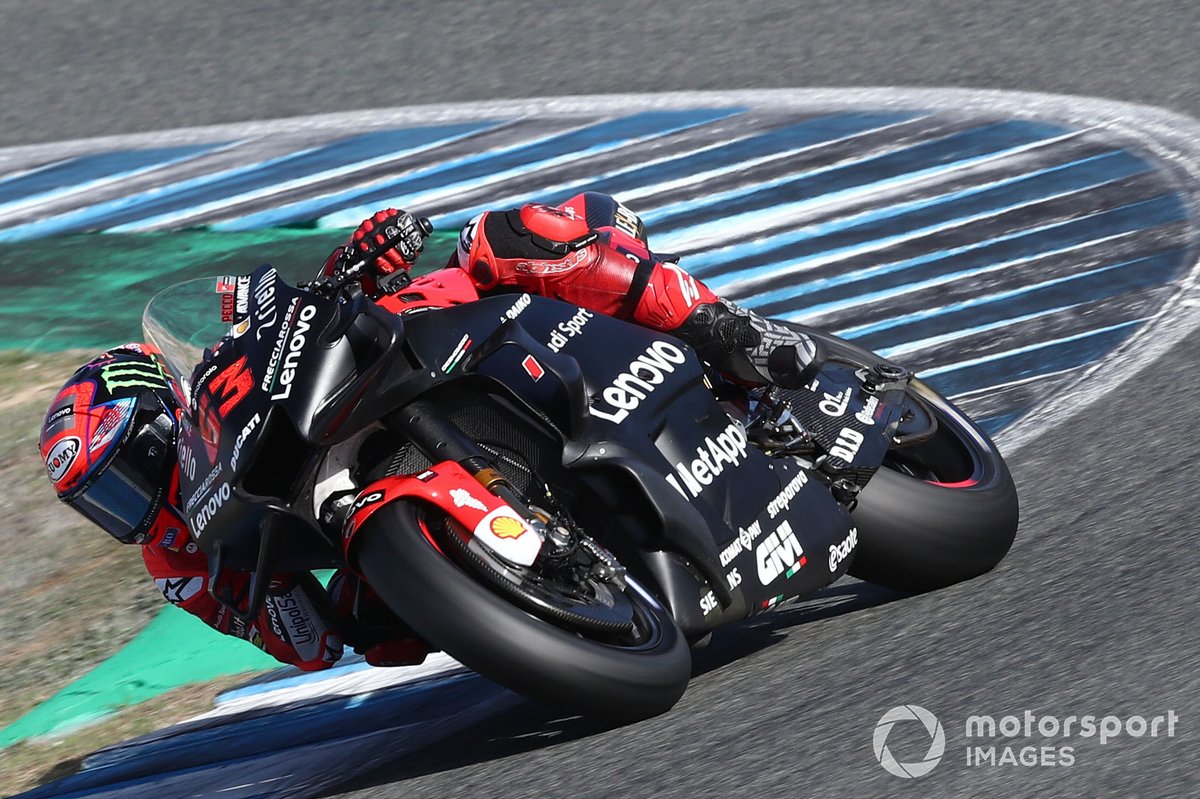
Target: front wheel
939,511
624,675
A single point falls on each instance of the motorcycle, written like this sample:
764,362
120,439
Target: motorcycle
562,501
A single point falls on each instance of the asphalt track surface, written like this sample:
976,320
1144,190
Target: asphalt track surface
1093,612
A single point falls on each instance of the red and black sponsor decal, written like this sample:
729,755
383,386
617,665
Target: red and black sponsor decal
226,286
112,422
231,385
532,368
61,457
218,391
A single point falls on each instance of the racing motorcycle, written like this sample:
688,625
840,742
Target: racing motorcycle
560,500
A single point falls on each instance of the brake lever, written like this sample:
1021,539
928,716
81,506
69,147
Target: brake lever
330,285
419,226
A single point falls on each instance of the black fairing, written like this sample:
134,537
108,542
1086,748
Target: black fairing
628,404
268,403
675,423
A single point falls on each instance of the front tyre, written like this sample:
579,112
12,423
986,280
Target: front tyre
937,512
624,678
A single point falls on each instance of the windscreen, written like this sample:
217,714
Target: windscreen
185,319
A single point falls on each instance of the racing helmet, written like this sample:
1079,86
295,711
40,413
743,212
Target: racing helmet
534,238
108,441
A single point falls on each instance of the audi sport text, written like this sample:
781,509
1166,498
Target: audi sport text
569,329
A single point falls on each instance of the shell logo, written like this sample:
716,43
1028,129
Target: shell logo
507,527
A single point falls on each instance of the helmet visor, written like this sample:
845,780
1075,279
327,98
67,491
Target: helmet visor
127,494
121,501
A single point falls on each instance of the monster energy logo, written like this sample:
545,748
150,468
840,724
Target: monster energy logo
132,375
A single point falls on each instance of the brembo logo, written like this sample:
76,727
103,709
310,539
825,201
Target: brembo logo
638,381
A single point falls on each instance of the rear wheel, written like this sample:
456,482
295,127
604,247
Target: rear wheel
600,648
938,511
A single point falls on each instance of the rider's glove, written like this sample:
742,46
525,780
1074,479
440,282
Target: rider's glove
390,240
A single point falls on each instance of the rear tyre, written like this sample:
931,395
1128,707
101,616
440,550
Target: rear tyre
937,512
619,677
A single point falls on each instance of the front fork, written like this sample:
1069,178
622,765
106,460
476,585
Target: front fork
463,484
463,497
440,440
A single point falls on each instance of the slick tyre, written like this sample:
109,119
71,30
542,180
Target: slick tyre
613,680
938,512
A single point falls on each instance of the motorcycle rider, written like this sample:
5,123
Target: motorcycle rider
591,251
108,438
109,445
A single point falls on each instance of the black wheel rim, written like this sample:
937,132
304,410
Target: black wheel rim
950,457
595,609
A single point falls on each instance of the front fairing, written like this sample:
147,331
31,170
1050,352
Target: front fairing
298,373
256,399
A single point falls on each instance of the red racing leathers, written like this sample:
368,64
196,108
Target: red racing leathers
300,622
591,251
288,626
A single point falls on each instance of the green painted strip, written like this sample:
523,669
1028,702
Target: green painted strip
87,291
175,649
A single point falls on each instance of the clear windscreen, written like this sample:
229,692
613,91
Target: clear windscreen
182,321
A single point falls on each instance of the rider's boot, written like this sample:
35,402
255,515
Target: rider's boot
592,252
736,341
747,347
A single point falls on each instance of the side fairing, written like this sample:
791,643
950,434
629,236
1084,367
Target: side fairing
630,398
